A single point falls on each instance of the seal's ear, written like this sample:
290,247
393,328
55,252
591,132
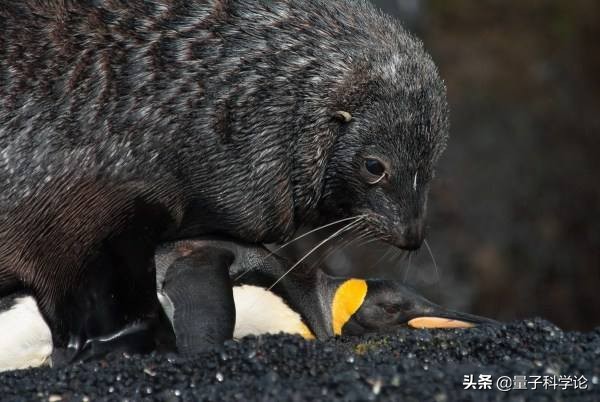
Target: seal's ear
342,116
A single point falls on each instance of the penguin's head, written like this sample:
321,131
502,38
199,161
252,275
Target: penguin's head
362,306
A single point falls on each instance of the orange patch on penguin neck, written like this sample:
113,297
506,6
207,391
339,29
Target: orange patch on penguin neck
347,300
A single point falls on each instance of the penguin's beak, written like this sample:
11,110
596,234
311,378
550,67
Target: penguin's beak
428,315
438,322
448,319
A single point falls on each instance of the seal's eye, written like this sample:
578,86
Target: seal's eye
374,170
374,167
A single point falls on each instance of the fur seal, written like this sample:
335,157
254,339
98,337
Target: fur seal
124,125
312,306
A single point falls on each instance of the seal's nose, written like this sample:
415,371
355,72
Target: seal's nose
410,237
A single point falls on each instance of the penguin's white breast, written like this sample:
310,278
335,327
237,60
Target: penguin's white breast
26,340
25,337
259,311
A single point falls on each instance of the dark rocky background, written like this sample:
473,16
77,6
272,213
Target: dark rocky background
515,210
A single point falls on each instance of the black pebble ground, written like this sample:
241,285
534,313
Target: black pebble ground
410,365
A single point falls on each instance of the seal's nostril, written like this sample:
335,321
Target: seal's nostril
411,235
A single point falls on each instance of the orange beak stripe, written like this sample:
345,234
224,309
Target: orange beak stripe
438,322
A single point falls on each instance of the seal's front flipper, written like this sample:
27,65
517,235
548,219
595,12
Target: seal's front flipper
198,288
116,311
138,337
107,299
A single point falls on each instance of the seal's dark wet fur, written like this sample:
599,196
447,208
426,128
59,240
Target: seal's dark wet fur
126,123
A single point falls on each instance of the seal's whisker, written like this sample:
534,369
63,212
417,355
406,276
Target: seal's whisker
353,218
345,228
316,230
349,226
399,255
331,250
381,258
437,272
371,240
358,235
339,247
408,268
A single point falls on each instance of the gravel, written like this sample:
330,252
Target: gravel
409,365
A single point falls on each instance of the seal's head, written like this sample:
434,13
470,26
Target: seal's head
393,120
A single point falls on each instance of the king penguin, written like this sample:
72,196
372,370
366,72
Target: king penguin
268,299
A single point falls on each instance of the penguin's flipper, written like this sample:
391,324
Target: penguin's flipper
198,288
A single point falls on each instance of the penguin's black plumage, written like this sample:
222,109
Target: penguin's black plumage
308,303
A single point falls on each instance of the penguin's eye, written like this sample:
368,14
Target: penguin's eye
391,309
